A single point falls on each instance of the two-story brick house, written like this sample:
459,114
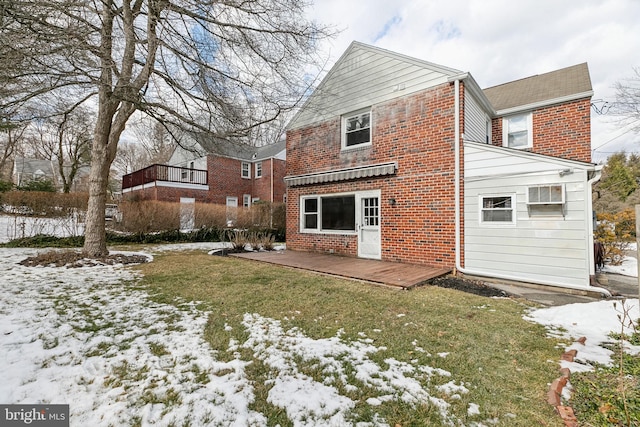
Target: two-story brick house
399,159
214,172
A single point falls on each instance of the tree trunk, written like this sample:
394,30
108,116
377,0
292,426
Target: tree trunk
95,239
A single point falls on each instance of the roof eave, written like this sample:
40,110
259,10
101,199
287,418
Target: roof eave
544,103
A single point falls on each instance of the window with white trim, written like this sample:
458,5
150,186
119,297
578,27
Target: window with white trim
258,170
546,200
328,213
517,131
246,200
246,170
497,209
356,129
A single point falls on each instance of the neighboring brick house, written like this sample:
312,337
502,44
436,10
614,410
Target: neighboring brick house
221,173
399,159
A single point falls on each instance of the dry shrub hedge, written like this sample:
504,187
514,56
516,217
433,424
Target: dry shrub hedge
145,216
149,216
46,204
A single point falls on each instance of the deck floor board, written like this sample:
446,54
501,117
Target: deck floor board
393,274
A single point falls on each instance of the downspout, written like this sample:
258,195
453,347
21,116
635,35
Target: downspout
597,174
457,175
271,204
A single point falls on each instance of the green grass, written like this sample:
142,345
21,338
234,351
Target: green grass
505,362
610,395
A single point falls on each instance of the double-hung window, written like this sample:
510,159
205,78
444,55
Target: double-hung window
356,129
258,170
517,131
246,170
328,213
497,209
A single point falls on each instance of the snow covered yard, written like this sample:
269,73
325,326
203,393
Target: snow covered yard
93,338
90,338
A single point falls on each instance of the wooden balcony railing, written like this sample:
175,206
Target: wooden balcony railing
164,173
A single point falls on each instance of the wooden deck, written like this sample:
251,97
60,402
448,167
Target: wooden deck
393,274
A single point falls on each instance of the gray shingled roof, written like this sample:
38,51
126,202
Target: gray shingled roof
228,148
30,166
558,84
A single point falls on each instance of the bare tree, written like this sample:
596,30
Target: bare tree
155,141
222,67
131,156
11,136
627,104
65,141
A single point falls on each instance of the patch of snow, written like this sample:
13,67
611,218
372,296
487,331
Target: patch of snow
594,320
91,338
628,267
474,409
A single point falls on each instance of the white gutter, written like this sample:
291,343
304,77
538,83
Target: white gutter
457,143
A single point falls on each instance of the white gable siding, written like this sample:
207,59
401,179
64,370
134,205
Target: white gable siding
475,120
181,158
537,249
365,77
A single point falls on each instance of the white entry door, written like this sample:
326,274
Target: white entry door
368,224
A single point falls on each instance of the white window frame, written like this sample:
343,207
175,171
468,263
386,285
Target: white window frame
258,172
353,115
246,200
528,121
482,209
245,170
537,200
319,229
544,204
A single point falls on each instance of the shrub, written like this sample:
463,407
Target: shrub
146,216
208,215
38,185
5,186
44,203
616,232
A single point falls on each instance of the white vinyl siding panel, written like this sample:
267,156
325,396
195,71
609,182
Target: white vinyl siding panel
366,77
538,248
475,120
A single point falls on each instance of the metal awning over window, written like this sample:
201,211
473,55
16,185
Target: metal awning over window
343,174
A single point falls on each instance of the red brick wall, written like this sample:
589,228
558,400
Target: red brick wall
416,131
562,130
225,179
263,187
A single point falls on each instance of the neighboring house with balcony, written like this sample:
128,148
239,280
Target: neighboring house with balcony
213,172
399,159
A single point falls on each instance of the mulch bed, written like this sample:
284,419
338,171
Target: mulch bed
73,259
465,285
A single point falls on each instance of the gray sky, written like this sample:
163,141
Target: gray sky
503,40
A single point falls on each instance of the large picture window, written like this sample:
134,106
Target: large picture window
357,129
497,210
328,213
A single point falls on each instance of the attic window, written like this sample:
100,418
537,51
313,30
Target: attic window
356,129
